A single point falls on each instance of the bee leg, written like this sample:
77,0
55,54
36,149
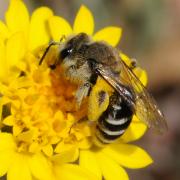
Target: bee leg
82,92
46,51
98,102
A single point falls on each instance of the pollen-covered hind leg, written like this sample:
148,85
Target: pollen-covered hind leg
97,104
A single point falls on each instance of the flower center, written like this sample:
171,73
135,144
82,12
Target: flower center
44,113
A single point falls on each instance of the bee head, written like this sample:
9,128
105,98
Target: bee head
73,45
67,49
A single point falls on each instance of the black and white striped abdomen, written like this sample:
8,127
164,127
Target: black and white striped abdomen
114,121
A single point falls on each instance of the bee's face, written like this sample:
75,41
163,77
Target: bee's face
72,57
72,45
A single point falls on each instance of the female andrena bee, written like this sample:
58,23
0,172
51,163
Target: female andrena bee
85,60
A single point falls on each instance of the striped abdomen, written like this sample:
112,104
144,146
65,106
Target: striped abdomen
114,121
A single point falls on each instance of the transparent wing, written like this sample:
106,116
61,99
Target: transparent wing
146,108
123,89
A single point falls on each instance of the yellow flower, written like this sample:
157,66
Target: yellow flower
40,136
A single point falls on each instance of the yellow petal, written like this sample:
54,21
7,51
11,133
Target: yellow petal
39,32
59,27
26,136
19,168
63,147
3,65
72,171
84,21
135,131
6,142
9,120
1,109
88,161
127,155
111,35
70,155
142,75
6,158
17,130
39,166
17,16
4,32
110,169
125,58
15,49
85,143
48,150
34,147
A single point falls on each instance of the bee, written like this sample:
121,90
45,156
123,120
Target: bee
84,61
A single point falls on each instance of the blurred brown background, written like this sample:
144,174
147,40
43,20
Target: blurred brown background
151,34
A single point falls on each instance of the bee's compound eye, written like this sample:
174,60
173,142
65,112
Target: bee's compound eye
66,52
